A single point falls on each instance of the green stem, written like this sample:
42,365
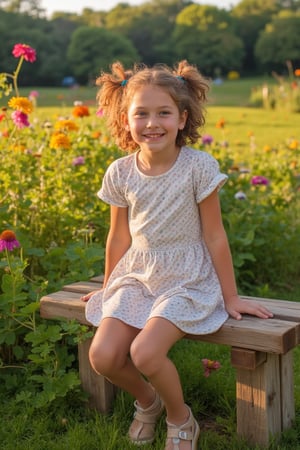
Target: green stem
16,73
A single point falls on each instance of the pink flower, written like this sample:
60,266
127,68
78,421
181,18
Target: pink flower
24,50
259,179
33,94
8,241
209,366
20,119
100,113
207,139
79,161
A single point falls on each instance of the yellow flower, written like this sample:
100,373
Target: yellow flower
294,144
21,104
59,140
66,124
267,148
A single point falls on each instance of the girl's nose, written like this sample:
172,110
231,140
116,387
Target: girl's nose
152,122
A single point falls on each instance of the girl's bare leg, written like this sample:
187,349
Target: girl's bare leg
109,357
149,354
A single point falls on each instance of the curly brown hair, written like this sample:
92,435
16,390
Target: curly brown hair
185,84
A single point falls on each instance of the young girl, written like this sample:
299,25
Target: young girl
168,269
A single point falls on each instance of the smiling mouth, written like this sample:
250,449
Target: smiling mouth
153,136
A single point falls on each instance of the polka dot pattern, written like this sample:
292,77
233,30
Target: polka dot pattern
167,272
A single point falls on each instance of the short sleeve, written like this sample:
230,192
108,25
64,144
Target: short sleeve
112,189
206,176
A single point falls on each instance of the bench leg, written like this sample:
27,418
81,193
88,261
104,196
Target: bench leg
265,396
101,391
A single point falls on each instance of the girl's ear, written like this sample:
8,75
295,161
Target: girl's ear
183,120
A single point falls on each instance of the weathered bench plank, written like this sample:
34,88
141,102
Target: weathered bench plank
261,353
276,335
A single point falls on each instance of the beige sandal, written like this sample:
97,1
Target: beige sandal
189,431
142,429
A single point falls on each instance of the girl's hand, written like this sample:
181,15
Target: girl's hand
85,298
235,307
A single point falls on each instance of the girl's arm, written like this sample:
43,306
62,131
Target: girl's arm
117,243
217,243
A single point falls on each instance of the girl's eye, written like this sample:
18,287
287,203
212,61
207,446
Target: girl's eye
164,113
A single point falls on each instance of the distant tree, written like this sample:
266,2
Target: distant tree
94,49
251,18
149,27
30,7
205,36
279,42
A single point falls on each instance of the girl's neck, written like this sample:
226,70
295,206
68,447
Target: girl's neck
151,163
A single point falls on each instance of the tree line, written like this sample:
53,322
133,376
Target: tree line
250,38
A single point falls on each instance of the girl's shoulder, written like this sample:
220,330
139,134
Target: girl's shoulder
198,156
122,163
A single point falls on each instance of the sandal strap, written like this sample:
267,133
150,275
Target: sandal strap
180,434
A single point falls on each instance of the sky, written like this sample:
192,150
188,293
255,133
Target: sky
77,6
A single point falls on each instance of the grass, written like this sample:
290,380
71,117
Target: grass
229,93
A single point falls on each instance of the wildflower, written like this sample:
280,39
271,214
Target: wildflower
267,148
100,113
59,140
21,104
80,111
96,134
79,161
233,75
33,94
259,180
68,125
297,72
77,103
294,144
220,123
207,139
24,50
240,195
20,119
2,117
8,241
209,366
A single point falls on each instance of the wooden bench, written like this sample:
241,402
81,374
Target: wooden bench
261,353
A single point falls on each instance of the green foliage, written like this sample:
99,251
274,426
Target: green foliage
269,49
93,49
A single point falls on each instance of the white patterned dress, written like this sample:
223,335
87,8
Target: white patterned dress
167,271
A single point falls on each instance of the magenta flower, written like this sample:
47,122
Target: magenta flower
100,112
209,366
20,119
8,241
207,139
259,180
24,50
79,161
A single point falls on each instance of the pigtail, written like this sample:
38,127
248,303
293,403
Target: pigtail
110,99
197,87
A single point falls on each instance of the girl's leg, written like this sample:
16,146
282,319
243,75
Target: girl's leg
109,356
149,352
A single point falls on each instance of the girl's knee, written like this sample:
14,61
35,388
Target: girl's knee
104,359
145,358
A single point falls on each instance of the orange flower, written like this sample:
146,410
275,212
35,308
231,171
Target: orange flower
67,125
267,148
297,72
80,111
220,123
21,104
294,144
59,140
96,134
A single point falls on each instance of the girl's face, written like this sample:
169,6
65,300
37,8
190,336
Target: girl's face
153,119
